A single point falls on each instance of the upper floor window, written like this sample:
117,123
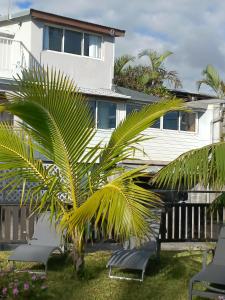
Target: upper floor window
171,120
92,45
187,121
70,41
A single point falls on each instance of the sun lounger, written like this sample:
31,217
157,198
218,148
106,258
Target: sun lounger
46,240
213,274
134,256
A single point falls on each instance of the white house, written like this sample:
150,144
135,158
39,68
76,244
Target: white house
85,51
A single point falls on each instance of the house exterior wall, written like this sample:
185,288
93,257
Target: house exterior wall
166,145
86,71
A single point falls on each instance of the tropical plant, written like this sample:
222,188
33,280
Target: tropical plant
157,74
84,182
121,63
212,79
204,166
149,79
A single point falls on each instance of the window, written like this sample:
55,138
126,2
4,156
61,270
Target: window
92,45
55,39
106,115
131,107
171,120
92,105
187,121
70,41
156,124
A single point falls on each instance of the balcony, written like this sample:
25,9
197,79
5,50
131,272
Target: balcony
14,57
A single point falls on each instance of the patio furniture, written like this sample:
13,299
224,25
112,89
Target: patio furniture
135,253
213,274
46,240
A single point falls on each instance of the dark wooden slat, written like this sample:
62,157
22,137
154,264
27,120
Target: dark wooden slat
163,226
176,223
196,222
183,221
23,223
202,223
15,223
1,223
170,220
189,230
7,223
31,226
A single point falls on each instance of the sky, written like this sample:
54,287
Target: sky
194,30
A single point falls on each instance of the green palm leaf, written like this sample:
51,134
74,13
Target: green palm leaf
205,166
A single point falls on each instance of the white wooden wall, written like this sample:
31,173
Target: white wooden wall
166,145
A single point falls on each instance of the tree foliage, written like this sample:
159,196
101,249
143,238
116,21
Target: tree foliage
85,182
212,79
149,78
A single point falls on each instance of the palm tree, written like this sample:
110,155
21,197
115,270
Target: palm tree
83,183
121,64
212,79
157,74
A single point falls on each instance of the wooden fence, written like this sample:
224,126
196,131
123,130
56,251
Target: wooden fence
15,224
180,222
192,222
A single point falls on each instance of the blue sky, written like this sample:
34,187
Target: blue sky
23,4
194,30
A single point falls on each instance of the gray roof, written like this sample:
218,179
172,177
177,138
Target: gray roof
203,104
103,92
135,95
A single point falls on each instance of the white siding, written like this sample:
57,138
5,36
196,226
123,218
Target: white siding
166,145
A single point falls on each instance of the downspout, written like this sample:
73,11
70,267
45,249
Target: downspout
214,121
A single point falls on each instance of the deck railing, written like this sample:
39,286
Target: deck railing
191,222
14,57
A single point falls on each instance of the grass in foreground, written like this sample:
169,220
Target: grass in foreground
167,279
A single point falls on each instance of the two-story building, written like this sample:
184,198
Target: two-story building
86,51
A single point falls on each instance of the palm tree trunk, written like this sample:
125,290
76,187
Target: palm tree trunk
78,252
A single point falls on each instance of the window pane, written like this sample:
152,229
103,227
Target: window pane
92,105
106,115
131,107
72,42
187,121
156,124
55,39
170,120
92,45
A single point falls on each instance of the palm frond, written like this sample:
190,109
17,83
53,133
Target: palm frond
121,63
53,97
124,205
204,166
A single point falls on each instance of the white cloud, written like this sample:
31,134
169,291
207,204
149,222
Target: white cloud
193,30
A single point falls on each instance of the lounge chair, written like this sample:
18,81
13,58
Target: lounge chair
135,257
44,242
213,274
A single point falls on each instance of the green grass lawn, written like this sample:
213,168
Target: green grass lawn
167,279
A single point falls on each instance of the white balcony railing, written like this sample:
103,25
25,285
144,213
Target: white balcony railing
14,57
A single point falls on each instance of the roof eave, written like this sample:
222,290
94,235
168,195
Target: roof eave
65,21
